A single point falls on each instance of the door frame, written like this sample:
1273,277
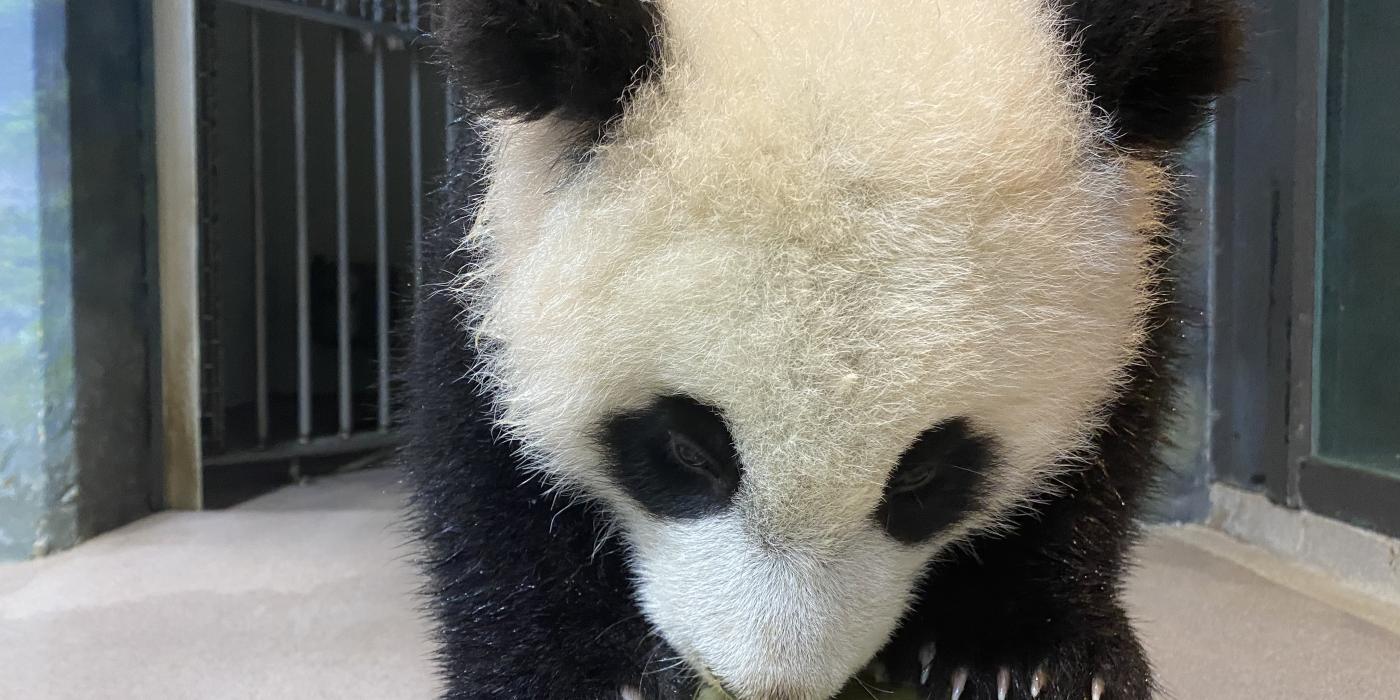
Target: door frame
177,248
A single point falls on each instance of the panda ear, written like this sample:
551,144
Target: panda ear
529,58
1156,65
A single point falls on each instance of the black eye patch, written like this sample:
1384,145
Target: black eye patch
675,457
937,482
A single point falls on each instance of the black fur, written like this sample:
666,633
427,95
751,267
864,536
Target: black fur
529,58
644,444
1156,65
524,606
937,481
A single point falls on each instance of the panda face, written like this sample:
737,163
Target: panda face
786,598
843,284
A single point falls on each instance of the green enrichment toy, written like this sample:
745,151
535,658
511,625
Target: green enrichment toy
854,691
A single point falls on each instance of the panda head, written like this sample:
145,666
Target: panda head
804,292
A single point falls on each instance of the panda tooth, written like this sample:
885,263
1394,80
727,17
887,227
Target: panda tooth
926,656
959,682
1004,683
1096,689
1038,682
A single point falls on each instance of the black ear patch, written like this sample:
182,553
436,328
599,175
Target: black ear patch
1156,65
529,58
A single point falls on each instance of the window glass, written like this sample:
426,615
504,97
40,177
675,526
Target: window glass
1357,414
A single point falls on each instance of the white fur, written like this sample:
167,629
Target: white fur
839,222
774,620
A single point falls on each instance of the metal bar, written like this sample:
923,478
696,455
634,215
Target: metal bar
299,449
335,19
382,232
214,407
259,226
303,242
415,150
342,239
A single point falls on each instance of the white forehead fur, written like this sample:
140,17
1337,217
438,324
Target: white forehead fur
839,222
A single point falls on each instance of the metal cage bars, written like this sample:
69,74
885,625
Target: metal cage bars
385,24
397,19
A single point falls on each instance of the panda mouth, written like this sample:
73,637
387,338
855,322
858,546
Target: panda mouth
711,687
713,691
710,684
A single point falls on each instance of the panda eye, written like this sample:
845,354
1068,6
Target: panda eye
675,457
912,478
938,481
688,454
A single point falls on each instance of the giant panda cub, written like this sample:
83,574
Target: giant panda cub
771,342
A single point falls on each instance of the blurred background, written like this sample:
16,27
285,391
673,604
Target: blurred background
209,215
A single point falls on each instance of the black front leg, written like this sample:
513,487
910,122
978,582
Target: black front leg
527,604
1038,614
1034,615
526,601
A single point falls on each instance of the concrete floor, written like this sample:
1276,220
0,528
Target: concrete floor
305,593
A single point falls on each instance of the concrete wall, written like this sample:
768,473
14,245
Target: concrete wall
1185,492
111,189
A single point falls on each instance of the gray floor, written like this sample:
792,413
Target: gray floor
305,593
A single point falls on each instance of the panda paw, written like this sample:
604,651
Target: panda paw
1108,669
